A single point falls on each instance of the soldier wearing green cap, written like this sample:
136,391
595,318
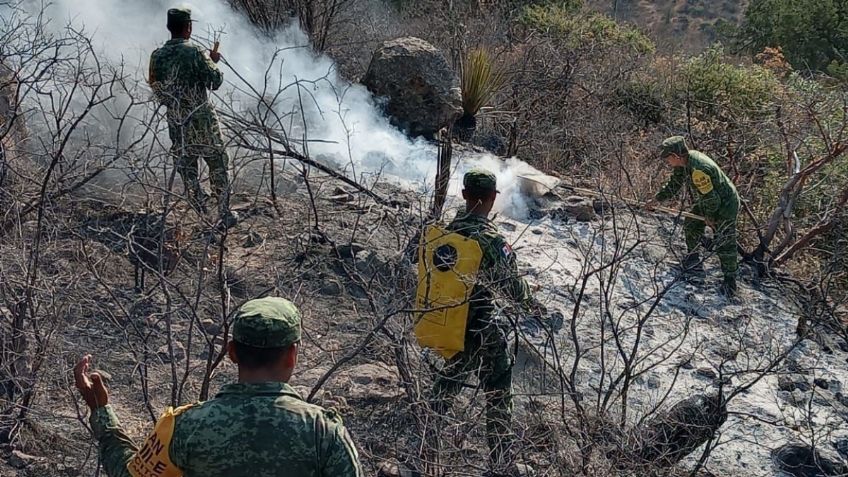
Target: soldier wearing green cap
487,353
714,197
181,73
257,426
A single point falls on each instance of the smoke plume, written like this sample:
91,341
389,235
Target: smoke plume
342,122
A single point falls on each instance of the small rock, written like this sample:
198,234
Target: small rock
331,288
578,207
509,227
357,291
841,446
19,460
349,250
165,356
822,383
653,382
600,205
727,352
536,214
393,469
708,373
536,231
210,326
341,195
789,382
687,365
253,239
317,238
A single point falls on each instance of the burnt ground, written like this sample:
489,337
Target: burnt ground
335,273
162,346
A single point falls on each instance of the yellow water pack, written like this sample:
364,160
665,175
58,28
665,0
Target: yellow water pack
448,264
153,459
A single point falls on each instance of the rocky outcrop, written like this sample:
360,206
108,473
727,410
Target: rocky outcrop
685,427
420,89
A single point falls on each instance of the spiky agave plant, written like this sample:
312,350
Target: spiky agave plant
480,80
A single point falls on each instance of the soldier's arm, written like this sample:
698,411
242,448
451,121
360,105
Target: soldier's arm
672,186
211,74
709,201
154,82
342,459
506,275
116,447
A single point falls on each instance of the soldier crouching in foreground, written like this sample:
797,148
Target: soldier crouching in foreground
258,426
180,75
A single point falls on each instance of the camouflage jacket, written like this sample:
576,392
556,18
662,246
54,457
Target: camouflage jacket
180,75
246,430
498,270
713,193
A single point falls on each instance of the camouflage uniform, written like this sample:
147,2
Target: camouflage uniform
180,75
486,351
248,429
715,198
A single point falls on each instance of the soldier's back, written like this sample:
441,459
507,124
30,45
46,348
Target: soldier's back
261,429
698,161
177,70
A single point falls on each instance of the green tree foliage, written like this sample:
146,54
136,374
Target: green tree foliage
565,22
812,33
715,89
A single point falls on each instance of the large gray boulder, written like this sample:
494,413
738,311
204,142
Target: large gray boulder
420,89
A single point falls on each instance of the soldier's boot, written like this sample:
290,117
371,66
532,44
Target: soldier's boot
728,287
228,218
197,198
693,268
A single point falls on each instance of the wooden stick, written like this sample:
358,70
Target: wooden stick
641,205
215,46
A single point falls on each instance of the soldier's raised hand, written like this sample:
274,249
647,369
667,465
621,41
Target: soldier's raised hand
90,386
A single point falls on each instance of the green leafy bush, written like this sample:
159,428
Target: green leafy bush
578,30
716,89
642,98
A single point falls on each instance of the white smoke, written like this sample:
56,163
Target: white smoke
344,125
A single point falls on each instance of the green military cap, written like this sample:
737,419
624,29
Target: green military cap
479,179
674,145
179,15
270,322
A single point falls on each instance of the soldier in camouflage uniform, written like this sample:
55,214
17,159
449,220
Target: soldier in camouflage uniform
715,198
487,352
180,75
258,426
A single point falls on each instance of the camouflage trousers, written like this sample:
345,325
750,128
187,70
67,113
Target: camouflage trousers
199,137
487,356
724,242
